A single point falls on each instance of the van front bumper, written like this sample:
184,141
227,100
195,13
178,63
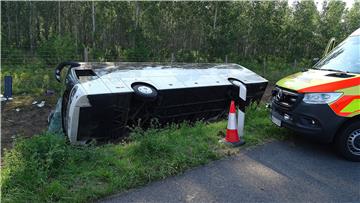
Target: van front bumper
317,121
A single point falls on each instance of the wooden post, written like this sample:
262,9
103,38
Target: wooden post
172,58
31,29
59,18
264,67
197,56
86,53
93,28
215,17
226,58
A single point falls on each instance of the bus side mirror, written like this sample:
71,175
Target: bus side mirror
61,66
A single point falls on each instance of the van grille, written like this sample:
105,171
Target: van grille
285,98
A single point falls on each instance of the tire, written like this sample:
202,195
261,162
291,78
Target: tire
348,141
145,92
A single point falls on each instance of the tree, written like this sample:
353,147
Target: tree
352,18
303,29
193,31
332,21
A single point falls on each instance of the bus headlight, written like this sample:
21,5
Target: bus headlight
321,98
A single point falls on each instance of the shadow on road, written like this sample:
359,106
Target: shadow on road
297,170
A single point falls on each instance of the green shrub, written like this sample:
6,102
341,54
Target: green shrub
31,79
274,69
58,49
10,55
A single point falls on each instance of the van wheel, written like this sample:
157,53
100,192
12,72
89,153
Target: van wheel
145,92
348,141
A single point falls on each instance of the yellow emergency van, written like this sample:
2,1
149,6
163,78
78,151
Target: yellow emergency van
324,101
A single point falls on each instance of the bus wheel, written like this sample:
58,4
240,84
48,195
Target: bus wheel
145,92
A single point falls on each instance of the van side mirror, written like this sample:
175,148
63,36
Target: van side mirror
315,60
330,46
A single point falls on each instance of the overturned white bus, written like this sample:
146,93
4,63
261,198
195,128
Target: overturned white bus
102,99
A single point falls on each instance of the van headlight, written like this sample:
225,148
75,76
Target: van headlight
321,98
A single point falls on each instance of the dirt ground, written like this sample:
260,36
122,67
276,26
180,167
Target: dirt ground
28,121
31,120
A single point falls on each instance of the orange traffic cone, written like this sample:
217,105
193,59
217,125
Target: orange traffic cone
232,136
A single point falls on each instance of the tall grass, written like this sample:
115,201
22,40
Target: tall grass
45,168
32,79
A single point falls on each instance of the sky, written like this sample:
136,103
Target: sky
319,3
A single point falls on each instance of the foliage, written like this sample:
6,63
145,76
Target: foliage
57,49
14,56
352,18
192,31
32,79
45,168
274,68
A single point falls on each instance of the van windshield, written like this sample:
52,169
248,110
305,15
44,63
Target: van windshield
345,57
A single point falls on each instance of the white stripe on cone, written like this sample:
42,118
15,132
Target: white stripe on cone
232,121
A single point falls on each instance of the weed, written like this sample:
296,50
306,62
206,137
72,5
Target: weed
32,79
45,168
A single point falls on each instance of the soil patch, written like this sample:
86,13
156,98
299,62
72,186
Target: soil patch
27,121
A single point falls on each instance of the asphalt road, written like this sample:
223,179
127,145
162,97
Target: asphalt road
291,171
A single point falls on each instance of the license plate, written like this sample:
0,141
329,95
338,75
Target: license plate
276,121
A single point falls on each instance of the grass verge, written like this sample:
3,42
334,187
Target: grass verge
32,79
46,169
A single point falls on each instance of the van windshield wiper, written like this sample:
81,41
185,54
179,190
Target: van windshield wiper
334,70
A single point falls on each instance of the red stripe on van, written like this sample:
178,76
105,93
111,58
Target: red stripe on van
332,86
